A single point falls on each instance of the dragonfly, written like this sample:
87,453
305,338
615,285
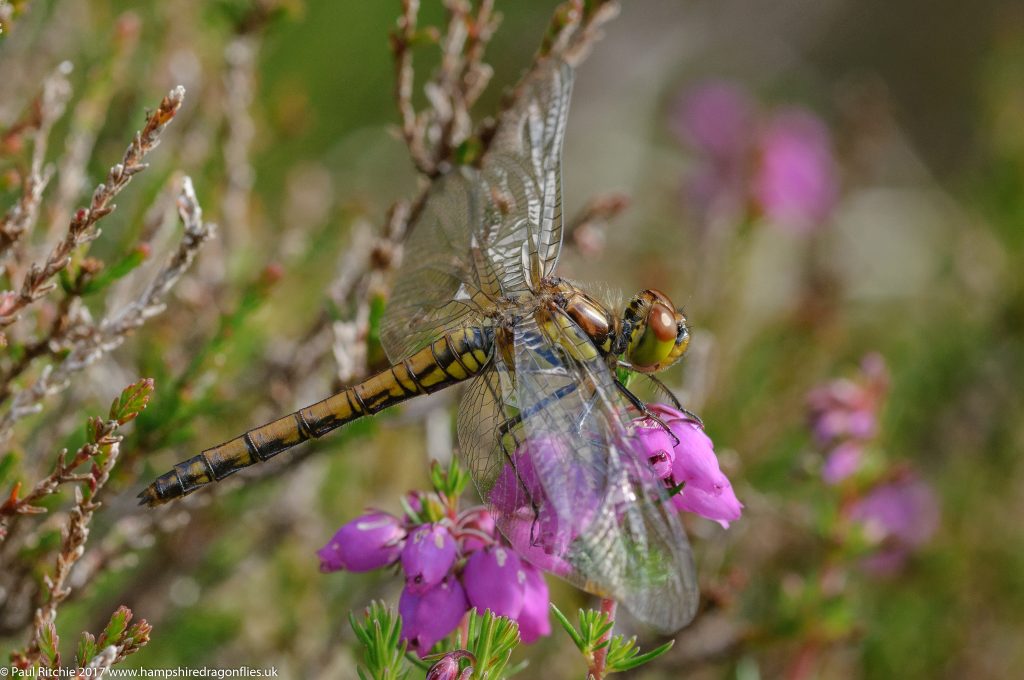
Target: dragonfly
546,424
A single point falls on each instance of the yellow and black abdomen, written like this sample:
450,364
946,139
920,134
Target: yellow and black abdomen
456,356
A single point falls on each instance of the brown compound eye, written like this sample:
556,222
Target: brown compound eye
656,338
662,321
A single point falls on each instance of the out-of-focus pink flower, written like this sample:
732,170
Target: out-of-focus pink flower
428,556
780,165
897,517
427,617
707,491
715,117
795,183
494,579
849,408
842,462
533,618
368,542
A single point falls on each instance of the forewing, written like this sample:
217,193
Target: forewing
488,233
566,484
442,284
525,159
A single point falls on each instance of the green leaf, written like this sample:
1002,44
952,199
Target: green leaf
491,642
383,651
624,655
132,401
87,649
48,642
116,627
569,628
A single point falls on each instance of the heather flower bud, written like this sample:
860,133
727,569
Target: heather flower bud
428,556
447,667
494,579
368,542
429,616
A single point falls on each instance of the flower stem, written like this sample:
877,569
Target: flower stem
608,607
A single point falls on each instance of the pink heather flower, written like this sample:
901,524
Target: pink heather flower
783,167
849,408
428,556
795,183
519,532
707,491
717,118
494,579
897,517
657,445
843,462
545,475
368,542
476,525
429,616
533,618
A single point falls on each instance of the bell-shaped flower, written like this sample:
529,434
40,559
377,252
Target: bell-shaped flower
848,408
546,482
844,461
428,556
897,517
706,490
657,445
533,618
368,542
795,183
429,616
494,579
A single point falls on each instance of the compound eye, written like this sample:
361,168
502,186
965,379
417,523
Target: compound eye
657,339
662,320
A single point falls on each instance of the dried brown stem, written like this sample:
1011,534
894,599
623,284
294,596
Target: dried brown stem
107,443
85,121
21,217
94,342
82,228
433,134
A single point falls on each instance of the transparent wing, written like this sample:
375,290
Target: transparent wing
525,158
444,281
566,484
488,233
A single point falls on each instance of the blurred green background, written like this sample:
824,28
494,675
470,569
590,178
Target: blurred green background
921,261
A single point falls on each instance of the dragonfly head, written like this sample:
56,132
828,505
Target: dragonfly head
654,332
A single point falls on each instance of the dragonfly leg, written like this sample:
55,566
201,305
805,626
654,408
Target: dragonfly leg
664,389
639,405
506,427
